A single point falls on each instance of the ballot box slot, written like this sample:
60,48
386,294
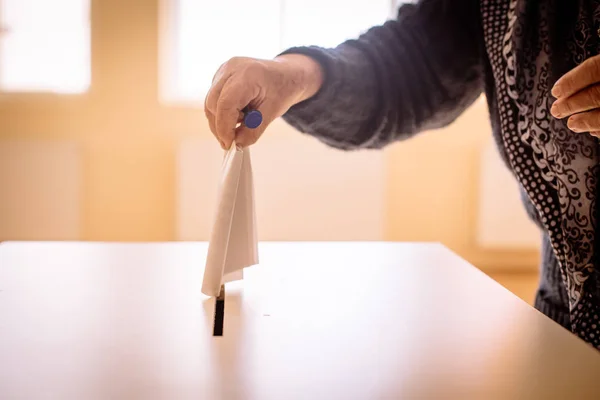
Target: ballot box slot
219,313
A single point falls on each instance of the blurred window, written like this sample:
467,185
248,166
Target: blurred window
201,34
44,46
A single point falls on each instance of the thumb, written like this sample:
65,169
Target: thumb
248,135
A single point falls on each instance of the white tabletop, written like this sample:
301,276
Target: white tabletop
311,321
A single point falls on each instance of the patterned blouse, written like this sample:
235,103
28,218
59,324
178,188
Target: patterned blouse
421,70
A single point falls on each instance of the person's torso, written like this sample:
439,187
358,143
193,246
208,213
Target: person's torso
529,45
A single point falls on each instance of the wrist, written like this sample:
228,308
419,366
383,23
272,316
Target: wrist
306,73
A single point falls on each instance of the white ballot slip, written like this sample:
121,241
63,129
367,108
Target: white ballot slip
233,242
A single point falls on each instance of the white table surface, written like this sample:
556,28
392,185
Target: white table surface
312,321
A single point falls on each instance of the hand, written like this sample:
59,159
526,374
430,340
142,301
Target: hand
578,97
270,86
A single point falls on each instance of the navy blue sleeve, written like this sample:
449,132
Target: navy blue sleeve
417,72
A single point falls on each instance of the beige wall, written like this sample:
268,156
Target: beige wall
433,191
128,143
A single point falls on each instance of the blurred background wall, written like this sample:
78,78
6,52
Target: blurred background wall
103,137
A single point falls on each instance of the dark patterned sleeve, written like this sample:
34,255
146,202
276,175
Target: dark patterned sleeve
417,72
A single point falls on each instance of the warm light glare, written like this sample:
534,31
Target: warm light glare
206,34
328,23
45,46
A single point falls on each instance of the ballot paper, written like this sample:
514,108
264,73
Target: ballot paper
233,242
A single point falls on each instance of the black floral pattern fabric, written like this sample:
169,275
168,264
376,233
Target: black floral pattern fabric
423,69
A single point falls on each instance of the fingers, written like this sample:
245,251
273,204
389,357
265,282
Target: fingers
270,87
210,103
585,74
211,123
234,97
212,97
584,100
223,106
245,136
578,97
585,122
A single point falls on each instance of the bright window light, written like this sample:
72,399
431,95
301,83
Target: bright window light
204,34
45,46
328,23
208,33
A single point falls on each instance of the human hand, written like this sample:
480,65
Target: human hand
269,86
578,97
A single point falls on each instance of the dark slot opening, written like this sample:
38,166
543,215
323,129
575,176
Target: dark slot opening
219,313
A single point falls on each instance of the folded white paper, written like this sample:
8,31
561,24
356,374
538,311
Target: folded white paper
233,242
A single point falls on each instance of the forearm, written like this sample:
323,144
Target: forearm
340,111
413,74
308,73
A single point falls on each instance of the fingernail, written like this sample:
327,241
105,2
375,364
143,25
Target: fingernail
557,91
555,110
574,125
